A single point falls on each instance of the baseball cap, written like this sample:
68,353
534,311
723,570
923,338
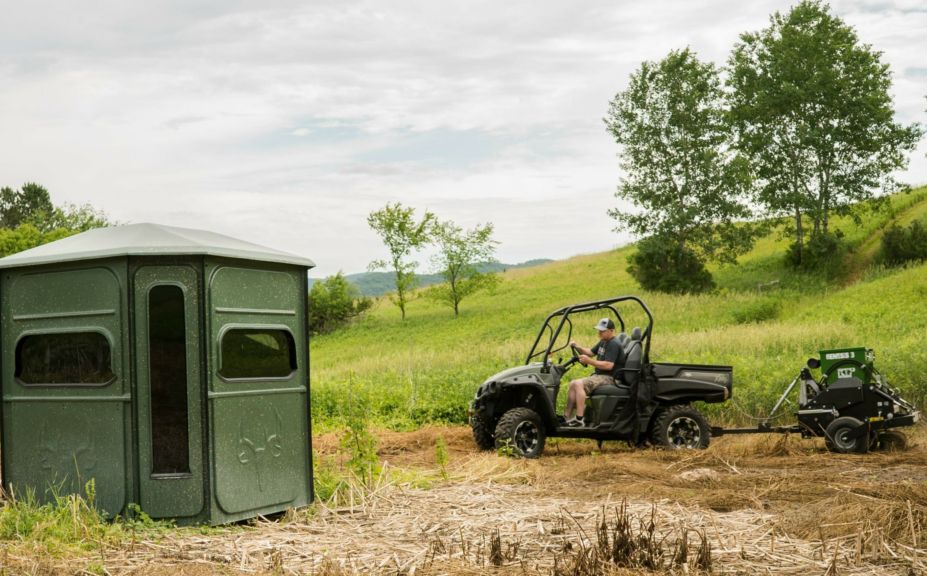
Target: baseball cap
605,324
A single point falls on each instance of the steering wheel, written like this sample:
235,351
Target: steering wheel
573,360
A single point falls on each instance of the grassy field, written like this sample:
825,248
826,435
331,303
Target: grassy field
763,319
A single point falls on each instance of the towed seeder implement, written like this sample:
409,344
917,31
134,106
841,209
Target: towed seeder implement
851,405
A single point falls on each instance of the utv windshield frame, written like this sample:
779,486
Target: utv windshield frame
561,318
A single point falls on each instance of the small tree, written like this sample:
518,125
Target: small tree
333,303
811,108
402,235
679,172
459,254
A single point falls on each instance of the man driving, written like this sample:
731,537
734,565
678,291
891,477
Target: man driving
604,356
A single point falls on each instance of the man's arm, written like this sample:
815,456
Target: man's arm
582,351
607,363
600,364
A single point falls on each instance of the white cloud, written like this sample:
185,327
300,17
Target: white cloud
286,122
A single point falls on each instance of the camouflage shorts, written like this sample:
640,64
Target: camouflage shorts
590,383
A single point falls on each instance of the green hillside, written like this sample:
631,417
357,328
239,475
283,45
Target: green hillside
764,319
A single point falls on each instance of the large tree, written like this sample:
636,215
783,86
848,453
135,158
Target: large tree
28,218
686,185
31,204
459,253
811,108
402,234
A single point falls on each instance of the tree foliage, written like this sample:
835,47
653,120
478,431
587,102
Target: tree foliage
28,218
679,173
459,252
810,106
402,234
333,303
31,204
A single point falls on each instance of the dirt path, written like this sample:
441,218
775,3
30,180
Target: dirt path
765,505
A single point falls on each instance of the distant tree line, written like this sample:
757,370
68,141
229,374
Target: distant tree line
798,124
28,218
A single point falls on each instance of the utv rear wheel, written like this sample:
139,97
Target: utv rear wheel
521,431
482,433
681,427
839,436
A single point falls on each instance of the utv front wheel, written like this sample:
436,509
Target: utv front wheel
521,431
482,433
681,427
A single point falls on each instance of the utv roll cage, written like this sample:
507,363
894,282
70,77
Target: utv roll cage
563,314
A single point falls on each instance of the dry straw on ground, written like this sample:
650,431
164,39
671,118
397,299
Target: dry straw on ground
761,506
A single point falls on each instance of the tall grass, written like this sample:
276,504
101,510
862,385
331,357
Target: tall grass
70,524
764,319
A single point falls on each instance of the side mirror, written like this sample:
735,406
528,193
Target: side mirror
814,363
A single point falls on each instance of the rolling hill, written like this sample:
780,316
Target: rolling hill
764,319
380,283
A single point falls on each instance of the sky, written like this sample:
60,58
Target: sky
285,123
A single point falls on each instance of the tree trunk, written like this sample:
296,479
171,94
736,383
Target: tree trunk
799,233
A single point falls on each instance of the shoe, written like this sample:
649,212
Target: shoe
575,423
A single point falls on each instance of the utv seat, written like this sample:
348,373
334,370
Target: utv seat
633,354
620,391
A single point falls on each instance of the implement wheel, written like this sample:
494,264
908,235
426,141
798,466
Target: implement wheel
521,430
681,427
891,441
838,437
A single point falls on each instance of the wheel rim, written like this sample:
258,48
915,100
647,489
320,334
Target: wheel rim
526,437
842,439
684,432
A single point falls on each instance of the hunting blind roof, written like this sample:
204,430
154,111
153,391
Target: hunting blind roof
148,240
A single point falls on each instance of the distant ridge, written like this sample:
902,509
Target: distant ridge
380,283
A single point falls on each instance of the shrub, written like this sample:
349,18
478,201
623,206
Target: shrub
333,303
822,253
757,311
663,265
902,245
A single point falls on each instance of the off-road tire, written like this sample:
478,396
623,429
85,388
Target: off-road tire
680,427
836,440
521,431
482,433
891,441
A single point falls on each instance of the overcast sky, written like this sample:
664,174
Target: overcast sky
286,123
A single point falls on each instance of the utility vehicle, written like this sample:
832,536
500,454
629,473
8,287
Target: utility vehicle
516,408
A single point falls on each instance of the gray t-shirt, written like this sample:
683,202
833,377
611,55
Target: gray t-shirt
609,351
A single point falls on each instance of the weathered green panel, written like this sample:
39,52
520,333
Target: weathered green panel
56,447
66,434
169,495
259,441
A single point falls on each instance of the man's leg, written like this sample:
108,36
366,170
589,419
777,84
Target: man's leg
571,400
580,401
